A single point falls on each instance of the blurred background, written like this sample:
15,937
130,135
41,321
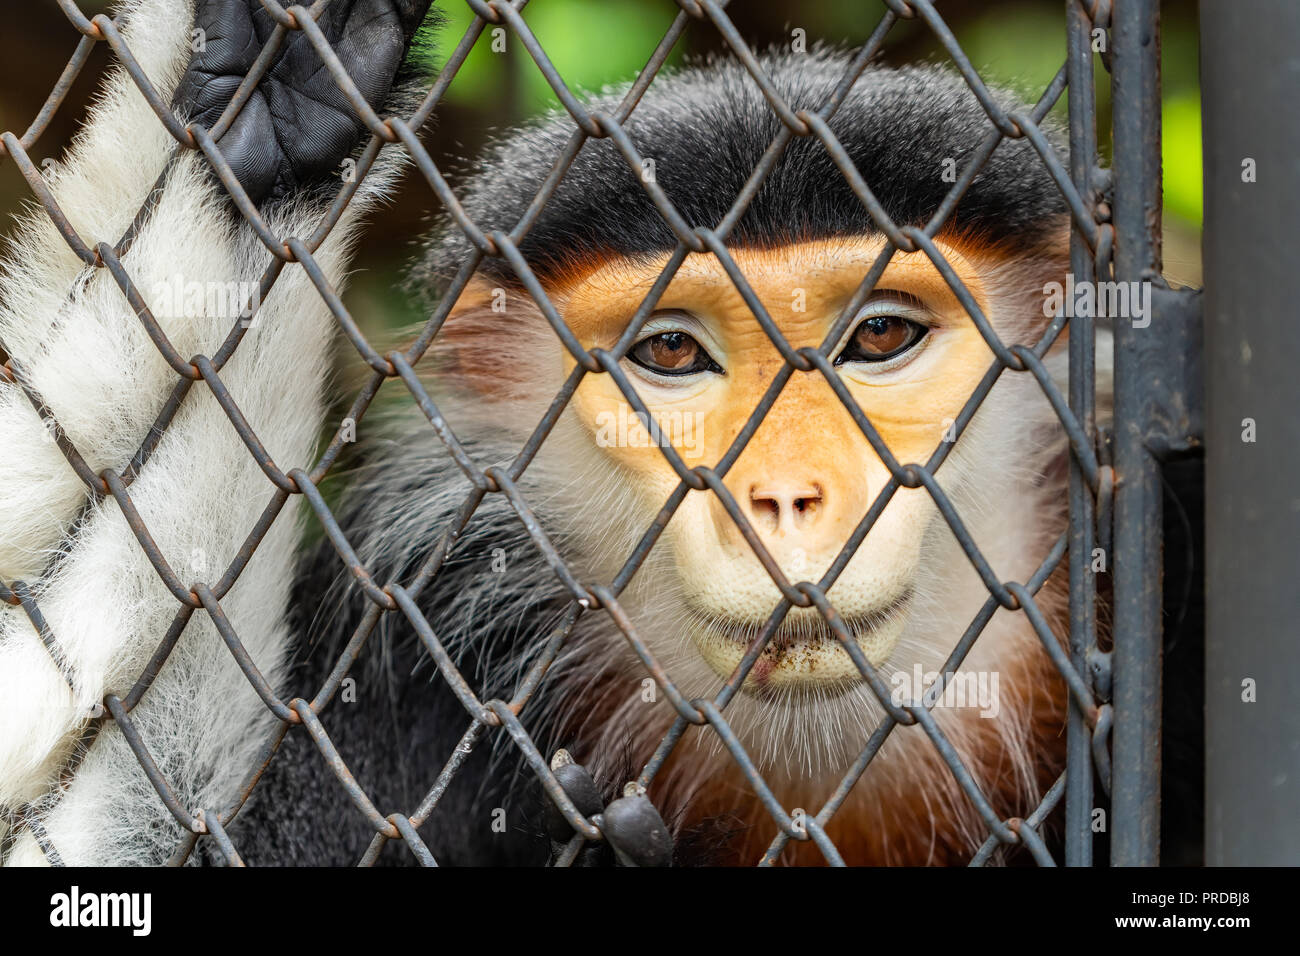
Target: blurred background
1018,43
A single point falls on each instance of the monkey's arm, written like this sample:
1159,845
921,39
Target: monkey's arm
78,349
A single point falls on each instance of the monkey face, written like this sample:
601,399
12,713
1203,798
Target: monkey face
808,476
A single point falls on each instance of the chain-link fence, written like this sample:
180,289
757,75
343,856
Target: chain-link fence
1112,236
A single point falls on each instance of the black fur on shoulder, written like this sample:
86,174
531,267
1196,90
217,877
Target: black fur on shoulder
706,128
400,723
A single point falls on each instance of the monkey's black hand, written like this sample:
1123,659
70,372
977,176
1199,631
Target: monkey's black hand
298,127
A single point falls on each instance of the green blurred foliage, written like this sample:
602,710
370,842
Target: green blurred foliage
590,42
1181,119
1181,124
1021,47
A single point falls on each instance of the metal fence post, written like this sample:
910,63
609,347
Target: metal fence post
1083,598
1250,75
1135,788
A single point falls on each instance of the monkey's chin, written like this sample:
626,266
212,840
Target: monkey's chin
802,657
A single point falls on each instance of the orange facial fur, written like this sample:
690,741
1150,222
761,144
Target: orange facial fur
807,449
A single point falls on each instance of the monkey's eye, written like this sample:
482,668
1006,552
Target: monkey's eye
672,353
881,337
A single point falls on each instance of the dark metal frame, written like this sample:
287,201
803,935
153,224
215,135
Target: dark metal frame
1252,349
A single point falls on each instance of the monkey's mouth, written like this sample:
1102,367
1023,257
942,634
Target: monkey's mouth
804,650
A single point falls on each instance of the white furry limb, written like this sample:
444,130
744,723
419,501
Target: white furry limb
80,345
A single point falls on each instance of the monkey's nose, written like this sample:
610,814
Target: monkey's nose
785,507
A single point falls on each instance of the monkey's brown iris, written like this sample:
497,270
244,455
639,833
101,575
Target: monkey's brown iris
671,353
880,337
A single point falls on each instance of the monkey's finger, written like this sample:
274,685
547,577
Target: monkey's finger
637,832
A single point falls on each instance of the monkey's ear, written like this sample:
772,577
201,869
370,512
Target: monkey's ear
497,345
1105,378
1058,365
1055,470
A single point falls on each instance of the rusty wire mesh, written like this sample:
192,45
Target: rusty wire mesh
1091,484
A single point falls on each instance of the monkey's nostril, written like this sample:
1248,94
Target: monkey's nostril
774,507
806,505
765,509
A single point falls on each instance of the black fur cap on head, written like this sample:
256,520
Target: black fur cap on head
706,127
